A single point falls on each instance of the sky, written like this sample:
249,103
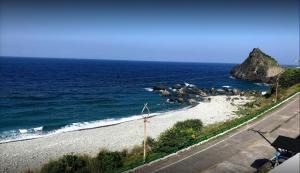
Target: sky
190,31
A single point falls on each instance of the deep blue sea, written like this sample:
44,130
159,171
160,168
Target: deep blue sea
40,96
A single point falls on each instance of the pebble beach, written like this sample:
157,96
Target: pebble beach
18,156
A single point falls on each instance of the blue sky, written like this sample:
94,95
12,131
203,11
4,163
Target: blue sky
196,31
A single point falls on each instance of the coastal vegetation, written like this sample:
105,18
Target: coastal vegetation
289,77
173,139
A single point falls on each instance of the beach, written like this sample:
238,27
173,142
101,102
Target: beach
20,155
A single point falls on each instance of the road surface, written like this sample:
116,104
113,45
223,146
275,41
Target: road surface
239,151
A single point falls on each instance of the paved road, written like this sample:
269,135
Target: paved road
238,151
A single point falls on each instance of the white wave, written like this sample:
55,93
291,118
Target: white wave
33,133
264,93
262,84
96,124
231,77
148,89
226,86
23,136
38,128
23,130
188,85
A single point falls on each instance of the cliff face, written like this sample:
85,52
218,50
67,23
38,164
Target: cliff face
257,67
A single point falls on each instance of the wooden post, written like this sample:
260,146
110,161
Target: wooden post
276,95
277,85
145,117
145,138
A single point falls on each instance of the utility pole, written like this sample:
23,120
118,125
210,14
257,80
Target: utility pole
145,117
277,84
277,81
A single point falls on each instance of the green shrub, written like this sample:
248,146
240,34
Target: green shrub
289,77
93,166
67,164
151,143
134,157
194,124
179,136
110,160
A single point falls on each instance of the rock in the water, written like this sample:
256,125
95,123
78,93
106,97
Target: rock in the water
257,67
171,100
180,100
159,88
165,93
177,86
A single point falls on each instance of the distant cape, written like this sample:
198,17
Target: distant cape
258,67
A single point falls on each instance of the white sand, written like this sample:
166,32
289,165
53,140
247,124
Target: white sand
16,156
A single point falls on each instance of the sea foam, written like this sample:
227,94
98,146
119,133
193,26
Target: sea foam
23,131
148,89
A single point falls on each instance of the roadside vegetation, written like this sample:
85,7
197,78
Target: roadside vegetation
177,137
181,135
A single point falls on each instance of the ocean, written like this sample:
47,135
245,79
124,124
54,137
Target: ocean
43,96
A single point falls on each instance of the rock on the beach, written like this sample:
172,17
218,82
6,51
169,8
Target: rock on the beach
236,91
213,91
221,91
192,102
207,99
202,94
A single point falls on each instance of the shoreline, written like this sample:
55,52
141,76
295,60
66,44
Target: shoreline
20,155
96,127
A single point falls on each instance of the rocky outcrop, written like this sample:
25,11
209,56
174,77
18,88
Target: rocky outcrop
257,67
191,94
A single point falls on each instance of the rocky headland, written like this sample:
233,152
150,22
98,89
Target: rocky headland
258,67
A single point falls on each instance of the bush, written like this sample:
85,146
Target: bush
289,77
151,143
179,136
194,124
134,157
67,164
110,160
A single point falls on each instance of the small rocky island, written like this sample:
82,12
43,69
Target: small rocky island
258,67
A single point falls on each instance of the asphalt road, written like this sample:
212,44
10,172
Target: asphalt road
239,151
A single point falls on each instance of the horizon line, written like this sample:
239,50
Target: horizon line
35,57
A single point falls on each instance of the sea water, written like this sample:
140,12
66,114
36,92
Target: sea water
42,96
